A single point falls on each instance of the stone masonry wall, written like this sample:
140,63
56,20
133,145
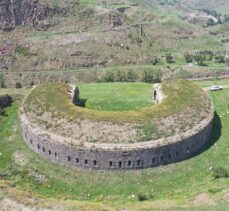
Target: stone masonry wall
113,160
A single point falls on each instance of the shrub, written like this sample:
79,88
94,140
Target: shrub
32,83
210,12
219,58
188,58
121,76
109,76
169,58
200,60
219,172
226,18
138,40
210,57
210,22
86,13
131,76
152,76
22,50
135,39
142,197
18,85
155,61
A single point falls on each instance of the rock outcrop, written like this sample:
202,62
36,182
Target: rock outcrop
25,12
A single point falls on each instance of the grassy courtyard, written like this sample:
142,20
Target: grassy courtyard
175,185
179,95
116,96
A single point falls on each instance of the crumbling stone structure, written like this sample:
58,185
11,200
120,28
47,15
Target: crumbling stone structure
76,96
158,95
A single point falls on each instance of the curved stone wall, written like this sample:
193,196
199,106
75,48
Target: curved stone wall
118,159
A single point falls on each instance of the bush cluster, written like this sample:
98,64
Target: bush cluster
169,58
142,197
18,85
119,76
22,50
220,172
200,59
151,75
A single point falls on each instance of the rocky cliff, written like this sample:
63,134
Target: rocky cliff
25,12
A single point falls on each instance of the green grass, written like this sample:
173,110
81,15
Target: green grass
213,82
116,96
180,95
177,182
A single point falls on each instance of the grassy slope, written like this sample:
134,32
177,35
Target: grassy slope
121,189
166,32
180,94
219,5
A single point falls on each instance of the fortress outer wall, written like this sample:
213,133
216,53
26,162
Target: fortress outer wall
118,159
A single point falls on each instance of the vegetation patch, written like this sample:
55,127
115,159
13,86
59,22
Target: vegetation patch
220,172
149,131
180,94
24,51
116,96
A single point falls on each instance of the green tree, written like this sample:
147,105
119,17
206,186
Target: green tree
220,21
18,85
200,59
210,57
226,18
169,58
210,22
219,58
188,58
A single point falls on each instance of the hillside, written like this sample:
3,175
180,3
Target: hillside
48,38
219,6
62,35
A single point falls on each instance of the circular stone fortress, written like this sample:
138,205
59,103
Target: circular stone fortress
176,127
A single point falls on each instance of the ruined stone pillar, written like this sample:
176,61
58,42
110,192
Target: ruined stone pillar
158,95
76,96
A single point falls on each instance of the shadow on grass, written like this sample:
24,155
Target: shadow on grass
82,103
215,135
